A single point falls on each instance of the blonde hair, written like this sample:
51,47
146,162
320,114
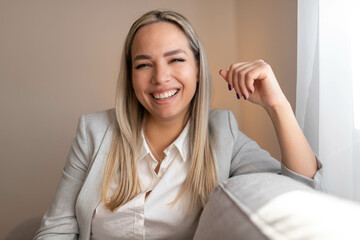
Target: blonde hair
130,114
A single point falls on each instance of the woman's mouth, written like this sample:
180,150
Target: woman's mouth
164,95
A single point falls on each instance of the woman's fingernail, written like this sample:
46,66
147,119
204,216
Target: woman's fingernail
238,96
244,97
250,91
229,86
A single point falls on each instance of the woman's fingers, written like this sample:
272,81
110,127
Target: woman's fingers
232,81
238,78
230,75
224,73
248,75
255,81
241,80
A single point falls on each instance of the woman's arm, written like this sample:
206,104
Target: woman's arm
60,222
296,152
256,82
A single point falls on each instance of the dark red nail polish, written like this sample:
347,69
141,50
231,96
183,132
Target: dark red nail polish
244,97
229,86
250,91
238,96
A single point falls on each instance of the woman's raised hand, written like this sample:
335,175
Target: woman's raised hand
254,81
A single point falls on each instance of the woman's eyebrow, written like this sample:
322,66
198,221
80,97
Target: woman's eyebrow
173,52
139,57
170,53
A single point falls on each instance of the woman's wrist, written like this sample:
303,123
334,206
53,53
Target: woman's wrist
279,109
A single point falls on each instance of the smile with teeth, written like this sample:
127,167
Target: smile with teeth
164,95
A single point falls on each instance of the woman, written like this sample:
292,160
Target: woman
146,169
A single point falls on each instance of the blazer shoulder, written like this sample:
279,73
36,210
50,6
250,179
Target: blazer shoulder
218,115
96,125
222,123
223,117
100,121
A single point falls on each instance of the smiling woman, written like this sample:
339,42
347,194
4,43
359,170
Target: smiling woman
145,169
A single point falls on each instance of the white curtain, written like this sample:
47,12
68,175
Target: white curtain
328,89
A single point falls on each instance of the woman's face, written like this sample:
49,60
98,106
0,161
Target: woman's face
164,71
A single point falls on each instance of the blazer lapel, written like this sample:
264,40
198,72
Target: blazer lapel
90,194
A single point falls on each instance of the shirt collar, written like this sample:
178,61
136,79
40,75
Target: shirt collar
144,150
181,143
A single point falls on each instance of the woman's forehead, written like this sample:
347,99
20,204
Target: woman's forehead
160,36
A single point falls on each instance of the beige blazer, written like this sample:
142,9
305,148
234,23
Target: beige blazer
79,190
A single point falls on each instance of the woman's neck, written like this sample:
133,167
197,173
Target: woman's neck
162,133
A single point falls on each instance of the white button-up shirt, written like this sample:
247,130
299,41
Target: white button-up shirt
152,217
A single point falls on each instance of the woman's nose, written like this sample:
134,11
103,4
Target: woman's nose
161,74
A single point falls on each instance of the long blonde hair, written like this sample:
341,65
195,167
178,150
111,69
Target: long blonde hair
130,114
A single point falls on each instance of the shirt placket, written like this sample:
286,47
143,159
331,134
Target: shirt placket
139,229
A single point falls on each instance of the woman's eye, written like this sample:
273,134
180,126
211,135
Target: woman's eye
177,60
142,65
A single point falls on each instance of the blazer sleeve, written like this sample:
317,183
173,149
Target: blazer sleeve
60,222
248,157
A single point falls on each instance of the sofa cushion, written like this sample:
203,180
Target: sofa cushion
270,206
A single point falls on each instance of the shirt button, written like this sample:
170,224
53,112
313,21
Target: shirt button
140,216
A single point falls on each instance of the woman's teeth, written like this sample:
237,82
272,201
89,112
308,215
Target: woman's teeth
164,94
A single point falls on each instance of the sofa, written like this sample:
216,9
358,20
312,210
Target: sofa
263,206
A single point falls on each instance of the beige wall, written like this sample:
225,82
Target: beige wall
60,59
